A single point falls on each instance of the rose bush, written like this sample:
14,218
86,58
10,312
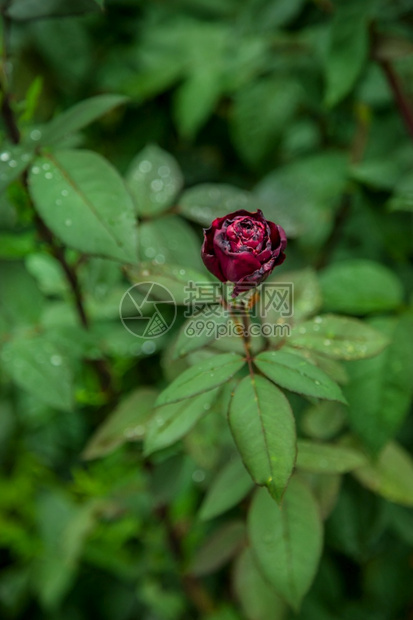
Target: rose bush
243,248
224,467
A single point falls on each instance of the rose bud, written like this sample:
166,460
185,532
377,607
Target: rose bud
243,248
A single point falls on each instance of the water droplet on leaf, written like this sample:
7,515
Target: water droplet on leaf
198,475
36,134
145,166
157,185
149,347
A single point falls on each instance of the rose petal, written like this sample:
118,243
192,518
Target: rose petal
231,253
250,281
236,266
278,236
280,259
217,223
222,242
283,237
211,262
274,234
265,256
208,254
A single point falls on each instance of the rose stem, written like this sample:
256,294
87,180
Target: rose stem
400,97
244,335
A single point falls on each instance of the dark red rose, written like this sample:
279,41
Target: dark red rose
243,248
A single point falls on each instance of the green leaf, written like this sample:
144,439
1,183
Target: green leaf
357,523
67,49
287,541
159,61
401,523
196,99
171,240
23,10
270,16
378,173
79,116
47,272
380,389
326,488
16,287
63,528
224,611
258,599
402,199
214,327
233,342
13,161
390,476
338,337
348,48
204,376
333,368
14,246
74,341
126,423
323,420
39,367
205,46
218,548
31,100
173,421
304,299
204,202
261,112
327,458
296,374
263,427
175,278
230,486
154,180
204,442
360,286
307,291
200,330
83,200
300,193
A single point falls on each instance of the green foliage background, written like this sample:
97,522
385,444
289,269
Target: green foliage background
125,128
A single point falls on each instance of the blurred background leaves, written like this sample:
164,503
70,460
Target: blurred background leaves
200,107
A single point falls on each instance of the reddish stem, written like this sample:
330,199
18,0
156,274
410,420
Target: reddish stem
403,102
